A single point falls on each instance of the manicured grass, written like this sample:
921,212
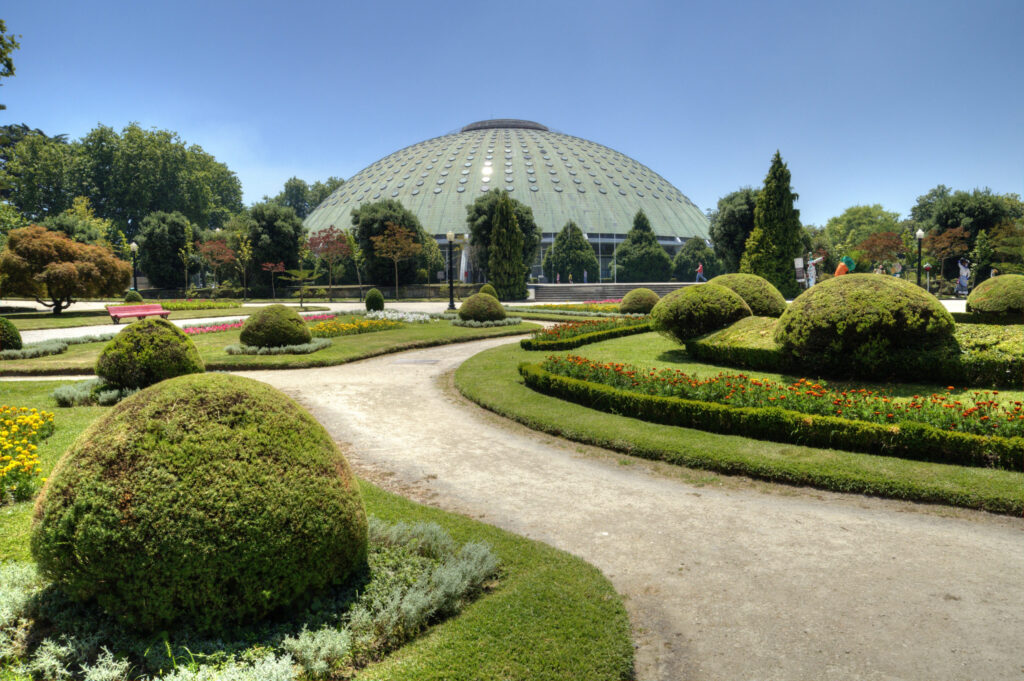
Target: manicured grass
491,379
550,616
31,321
80,359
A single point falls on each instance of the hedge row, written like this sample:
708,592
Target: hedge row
907,440
584,339
977,317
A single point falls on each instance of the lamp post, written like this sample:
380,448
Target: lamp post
920,238
135,270
451,284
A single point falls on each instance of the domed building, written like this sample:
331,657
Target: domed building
559,176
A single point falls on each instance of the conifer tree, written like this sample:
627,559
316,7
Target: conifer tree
775,241
570,254
505,265
640,257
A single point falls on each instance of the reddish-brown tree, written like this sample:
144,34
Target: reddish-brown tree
396,244
882,247
274,269
330,246
949,244
217,254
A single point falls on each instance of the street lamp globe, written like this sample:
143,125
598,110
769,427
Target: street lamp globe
135,247
920,234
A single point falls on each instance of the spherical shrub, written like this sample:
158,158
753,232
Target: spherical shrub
489,290
204,501
374,300
147,352
859,323
998,296
639,301
481,308
757,292
693,311
10,337
133,296
273,326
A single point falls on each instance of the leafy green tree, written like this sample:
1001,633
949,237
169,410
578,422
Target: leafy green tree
857,224
8,44
731,224
694,252
480,219
1008,243
776,239
10,219
319,191
396,244
569,254
187,252
244,260
640,257
330,247
162,236
923,212
303,198
982,257
81,223
38,177
370,220
276,234
506,271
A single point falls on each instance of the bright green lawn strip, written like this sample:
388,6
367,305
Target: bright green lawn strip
31,321
551,616
491,379
80,359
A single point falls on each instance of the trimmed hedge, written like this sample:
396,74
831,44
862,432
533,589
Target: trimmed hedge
987,318
374,300
639,301
481,308
274,326
146,352
134,296
998,298
907,440
584,339
489,290
10,337
757,292
695,310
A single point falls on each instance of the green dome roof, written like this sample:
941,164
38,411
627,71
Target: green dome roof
560,177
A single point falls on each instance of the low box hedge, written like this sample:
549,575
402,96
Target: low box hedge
583,339
907,440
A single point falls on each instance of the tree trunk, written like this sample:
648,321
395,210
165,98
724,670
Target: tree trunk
396,280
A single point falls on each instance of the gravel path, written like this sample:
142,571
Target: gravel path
735,581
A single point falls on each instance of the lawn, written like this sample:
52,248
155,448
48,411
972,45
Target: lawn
80,359
31,321
551,615
491,379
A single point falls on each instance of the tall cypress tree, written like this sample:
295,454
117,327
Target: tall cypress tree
504,263
641,257
570,254
775,241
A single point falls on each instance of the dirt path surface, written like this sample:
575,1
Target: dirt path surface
741,581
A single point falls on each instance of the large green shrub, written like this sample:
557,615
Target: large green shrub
146,352
481,308
862,322
133,296
695,310
274,326
374,300
998,296
639,301
489,290
757,292
10,337
204,501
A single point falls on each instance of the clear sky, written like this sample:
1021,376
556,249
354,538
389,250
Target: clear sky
869,102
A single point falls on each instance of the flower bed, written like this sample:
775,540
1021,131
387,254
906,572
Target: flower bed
574,334
334,327
21,429
199,304
589,306
396,316
229,324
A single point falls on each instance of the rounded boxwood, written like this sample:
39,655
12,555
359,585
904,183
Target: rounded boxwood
998,296
693,311
202,502
639,301
146,352
10,337
133,296
274,326
757,292
489,290
374,300
859,323
481,308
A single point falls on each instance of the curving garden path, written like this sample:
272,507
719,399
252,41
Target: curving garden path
733,581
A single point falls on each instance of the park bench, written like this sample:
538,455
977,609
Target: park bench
118,312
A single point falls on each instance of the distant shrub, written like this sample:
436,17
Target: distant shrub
696,310
481,308
489,290
639,301
757,292
10,337
133,296
999,296
146,352
274,326
374,300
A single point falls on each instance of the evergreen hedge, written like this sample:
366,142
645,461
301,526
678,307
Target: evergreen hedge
695,310
584,339
274,326
481,308
757,292
146,352
10,337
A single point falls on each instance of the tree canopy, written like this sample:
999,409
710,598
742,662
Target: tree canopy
507,272
276,233
370,220
396,244
569,254
640,257
8,44
303,198
731,224
480,219
776,239
856,224
161,238
694,252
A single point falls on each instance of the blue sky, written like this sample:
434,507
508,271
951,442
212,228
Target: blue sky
869,102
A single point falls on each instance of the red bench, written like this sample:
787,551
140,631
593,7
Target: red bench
118,312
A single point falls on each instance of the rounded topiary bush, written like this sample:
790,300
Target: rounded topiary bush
146,352
133,296
204,501
757,292
998,296
693,311
489,290
374,300
639,301
274,326
859,323
481,308
10,337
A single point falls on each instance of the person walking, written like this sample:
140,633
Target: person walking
964,278
700,273
558,277
812,270
570,277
